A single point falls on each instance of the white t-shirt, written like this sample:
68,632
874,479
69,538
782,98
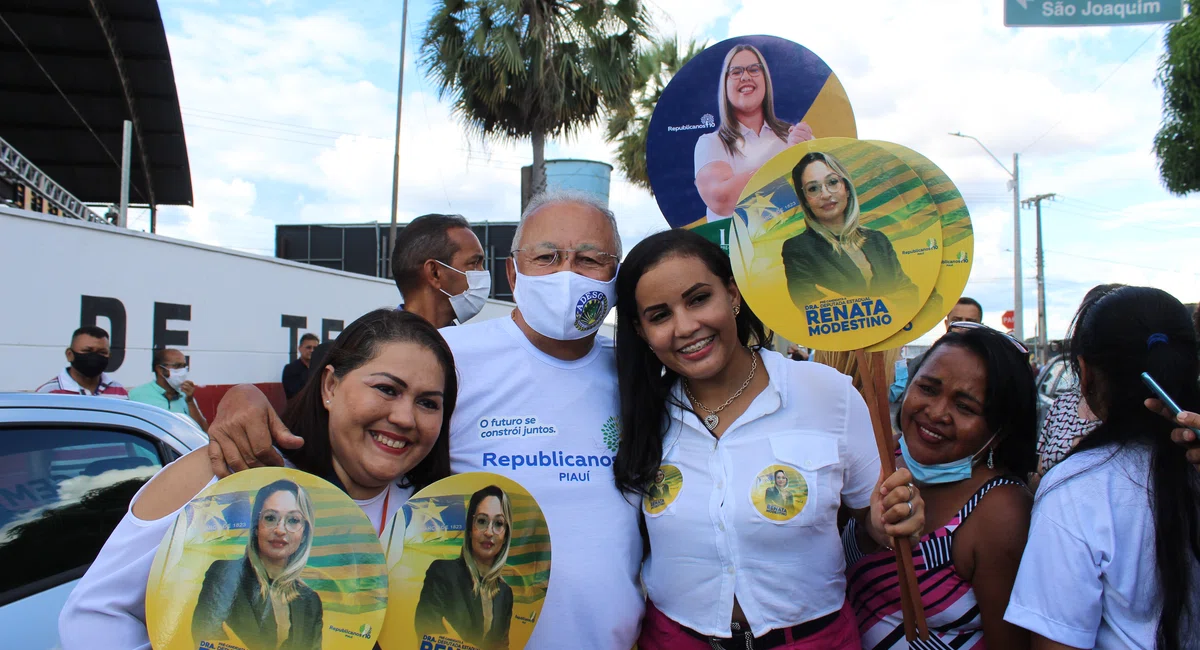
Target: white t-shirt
756,150
729,528
1088,577
551,425
107,609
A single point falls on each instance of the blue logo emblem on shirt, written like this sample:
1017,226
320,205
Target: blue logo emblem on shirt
592,307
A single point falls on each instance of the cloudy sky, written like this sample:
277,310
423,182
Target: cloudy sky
289,108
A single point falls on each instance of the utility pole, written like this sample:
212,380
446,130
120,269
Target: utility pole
396,155
1042,337
1014,184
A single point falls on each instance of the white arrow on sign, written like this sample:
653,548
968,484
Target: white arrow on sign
1024,3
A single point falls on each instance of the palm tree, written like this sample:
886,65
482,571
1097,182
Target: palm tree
517,69
628,126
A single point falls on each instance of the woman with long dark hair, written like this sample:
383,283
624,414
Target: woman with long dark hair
374,420
1113,559
968,423
731,560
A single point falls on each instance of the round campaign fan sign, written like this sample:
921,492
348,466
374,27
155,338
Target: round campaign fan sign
836,243
468,566
728,111
958,247
268,558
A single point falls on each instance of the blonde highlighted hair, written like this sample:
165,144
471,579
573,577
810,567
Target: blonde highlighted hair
285,588
850,237
487,579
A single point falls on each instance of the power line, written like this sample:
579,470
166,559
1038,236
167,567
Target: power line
1098,86
1139,266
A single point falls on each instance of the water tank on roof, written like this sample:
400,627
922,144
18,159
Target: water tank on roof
588,176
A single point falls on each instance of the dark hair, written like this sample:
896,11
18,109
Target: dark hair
644,382
158,356
306,416
308,337
972,302
260,497
424,238
478,497
1089,300
89,330
1010,399
1125,333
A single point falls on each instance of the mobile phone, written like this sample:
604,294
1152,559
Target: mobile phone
1164,397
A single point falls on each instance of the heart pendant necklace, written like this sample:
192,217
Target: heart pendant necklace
711,420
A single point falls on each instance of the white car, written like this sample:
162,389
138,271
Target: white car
69,465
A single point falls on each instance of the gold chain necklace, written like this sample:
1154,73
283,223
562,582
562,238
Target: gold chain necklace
711,420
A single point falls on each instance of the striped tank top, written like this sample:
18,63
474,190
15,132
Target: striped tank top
951,611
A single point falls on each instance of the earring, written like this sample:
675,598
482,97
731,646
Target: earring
326,401
992,458
737,309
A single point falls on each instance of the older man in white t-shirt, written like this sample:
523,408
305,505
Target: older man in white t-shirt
537,402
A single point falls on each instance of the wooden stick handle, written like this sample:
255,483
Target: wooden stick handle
871,371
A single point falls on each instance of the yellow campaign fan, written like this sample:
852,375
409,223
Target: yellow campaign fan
268,557
958,247
836,243
468,566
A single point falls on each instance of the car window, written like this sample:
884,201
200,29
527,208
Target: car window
1046,387
1067,380
62,492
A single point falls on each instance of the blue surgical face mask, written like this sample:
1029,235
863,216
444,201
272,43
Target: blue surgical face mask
951,472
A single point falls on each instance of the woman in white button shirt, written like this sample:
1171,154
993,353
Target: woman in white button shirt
726,423
1113,559
749,133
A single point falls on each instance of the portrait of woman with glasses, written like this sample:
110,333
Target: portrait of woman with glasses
748,133
468,593
259,597
836,255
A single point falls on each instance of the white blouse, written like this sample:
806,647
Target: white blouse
754,513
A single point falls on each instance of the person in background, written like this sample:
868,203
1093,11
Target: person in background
438,267
1113,559
87,357
171,389
968,423
798,353
1069,418
295,374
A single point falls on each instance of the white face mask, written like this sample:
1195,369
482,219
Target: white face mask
471,301
564,306
176,377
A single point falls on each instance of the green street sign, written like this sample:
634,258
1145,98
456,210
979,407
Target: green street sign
1073,13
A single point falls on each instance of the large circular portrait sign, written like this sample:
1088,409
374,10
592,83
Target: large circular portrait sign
958,247
468,566
268,558
728,111
836,244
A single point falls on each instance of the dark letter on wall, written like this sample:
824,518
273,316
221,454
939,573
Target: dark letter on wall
92,307
294,325
163,312
330,325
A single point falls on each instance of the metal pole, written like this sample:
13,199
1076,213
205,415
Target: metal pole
1018,286
1041,288
126,152
396,156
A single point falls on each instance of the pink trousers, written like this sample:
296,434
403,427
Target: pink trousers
661,633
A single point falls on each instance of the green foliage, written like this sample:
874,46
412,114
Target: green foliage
1177,143
516,69
629,125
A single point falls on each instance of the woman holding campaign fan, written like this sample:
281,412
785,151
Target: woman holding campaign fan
749,133
836,252
968,430
374,422
769,452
